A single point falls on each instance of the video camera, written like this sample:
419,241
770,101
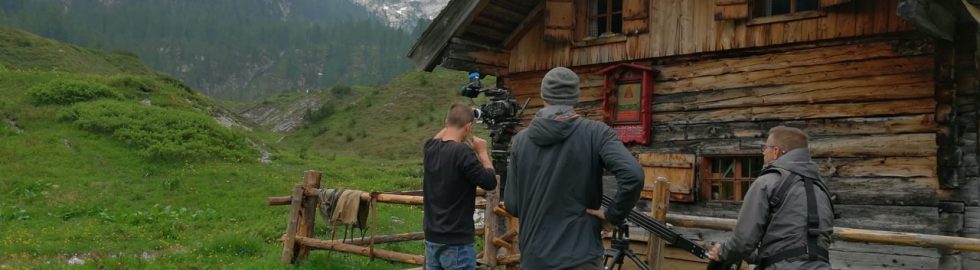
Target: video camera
502,109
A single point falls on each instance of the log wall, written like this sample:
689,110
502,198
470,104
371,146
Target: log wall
679,27
869,105
858,100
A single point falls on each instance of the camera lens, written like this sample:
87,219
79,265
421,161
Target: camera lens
477,113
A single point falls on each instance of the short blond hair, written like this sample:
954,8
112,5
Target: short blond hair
459,115
788,138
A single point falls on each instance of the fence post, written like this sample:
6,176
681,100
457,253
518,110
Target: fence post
307,216
289,245
490,227
661,200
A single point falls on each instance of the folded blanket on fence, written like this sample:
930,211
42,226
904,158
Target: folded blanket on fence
344,207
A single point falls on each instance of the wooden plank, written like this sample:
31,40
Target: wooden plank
846,20
828,25
885,191
655,247
904,167
850,234
777,60
913,145
866,17
797,74
362,250
427,51
814,127
887,87
307,215
677,168
797,112
289,245
532,18
882,16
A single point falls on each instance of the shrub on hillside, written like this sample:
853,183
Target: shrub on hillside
341,90
325,111
164,134
69,91
132,83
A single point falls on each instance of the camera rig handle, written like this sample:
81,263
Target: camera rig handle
661,231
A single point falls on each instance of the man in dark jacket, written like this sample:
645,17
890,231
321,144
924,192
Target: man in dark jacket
554,182
452,171
791,233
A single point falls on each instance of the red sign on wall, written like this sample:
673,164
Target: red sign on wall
628,101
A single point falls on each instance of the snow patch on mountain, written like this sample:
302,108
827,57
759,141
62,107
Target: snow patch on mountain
404,14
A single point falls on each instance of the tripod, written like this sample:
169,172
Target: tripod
619,248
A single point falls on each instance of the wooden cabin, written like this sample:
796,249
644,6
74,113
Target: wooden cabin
887,89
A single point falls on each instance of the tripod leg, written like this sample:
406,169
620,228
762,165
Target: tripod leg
639,263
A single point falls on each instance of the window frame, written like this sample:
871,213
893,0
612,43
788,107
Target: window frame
706,180
594,15
793,15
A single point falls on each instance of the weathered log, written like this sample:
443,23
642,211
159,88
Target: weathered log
776,61
797,74
661,201
922,123
878,167
361,250
798,112
502,212
390,198
846,234
873,88
490,233
307,215
884,191
289,246
508,259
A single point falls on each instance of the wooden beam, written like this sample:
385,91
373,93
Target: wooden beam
363,251
525,25
307,215
288,246
452,20
928,16
846,234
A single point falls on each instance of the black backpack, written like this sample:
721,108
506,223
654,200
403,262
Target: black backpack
812,217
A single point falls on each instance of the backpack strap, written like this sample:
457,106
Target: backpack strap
811,250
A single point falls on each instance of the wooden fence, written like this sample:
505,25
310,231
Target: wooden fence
298,240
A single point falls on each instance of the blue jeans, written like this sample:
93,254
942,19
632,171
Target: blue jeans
449,257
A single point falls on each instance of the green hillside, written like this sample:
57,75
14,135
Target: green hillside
387,122
230,49
110,163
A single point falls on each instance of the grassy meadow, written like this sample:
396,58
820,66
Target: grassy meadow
107,162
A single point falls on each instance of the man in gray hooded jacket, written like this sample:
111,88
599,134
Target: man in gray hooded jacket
554,182
790,226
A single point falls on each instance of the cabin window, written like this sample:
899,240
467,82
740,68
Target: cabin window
605,17
765,8
727,178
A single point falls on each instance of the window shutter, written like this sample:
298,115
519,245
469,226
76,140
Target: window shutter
830,3
731,10
559,20
676,168
635,16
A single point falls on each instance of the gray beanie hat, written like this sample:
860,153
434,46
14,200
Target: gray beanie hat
560,87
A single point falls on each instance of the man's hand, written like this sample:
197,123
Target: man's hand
713,252
480,147
601,214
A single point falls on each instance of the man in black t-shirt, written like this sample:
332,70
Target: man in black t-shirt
452,171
